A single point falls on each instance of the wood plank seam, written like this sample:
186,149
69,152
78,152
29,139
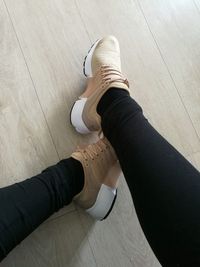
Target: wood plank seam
86,30
20,47
167,68
197,7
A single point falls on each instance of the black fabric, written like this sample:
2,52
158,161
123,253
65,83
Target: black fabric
25,205
164,186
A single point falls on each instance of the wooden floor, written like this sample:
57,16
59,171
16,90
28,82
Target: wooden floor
42,46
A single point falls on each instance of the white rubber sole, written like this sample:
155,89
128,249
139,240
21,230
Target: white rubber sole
104,203
77,109
87,65
76,116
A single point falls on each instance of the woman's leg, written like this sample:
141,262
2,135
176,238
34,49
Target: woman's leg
25,205
164,186
89,177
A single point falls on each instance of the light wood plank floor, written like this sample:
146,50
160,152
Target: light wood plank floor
42,46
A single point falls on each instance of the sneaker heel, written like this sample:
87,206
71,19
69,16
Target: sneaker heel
87,64
76,116
104,203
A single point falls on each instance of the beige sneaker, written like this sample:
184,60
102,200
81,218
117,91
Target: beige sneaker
103,67
101,173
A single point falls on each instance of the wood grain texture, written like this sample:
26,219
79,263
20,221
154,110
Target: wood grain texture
26,144
60,242
197,3
151,83
54,43
175,25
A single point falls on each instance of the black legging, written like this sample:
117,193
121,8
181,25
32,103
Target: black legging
25,205
164,186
